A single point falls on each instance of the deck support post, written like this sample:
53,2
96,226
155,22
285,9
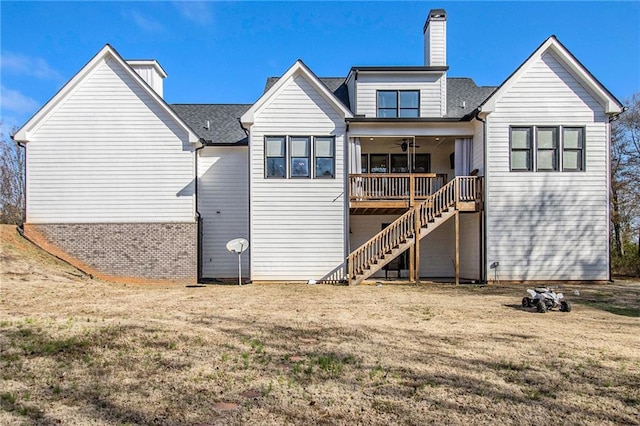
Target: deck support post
412,254
457,261
412,190
416,244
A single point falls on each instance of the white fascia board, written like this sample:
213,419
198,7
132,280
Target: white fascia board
610,104
298,68
107,52
149,62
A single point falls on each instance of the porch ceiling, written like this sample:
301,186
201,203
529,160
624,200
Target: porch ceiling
458,129
393,144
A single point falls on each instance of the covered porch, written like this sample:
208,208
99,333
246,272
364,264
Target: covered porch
390,174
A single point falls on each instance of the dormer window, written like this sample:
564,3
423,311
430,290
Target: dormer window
398,103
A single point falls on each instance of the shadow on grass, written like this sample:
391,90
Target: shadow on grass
625,311
299,358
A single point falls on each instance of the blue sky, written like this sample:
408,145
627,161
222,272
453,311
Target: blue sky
222,52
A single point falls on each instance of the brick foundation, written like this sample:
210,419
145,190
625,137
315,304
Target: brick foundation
132,251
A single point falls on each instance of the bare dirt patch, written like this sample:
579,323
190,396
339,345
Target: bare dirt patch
81,351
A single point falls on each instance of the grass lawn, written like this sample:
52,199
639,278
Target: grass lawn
81,351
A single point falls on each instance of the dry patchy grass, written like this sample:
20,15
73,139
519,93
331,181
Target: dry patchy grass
80,351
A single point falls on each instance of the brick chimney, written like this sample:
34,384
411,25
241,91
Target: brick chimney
435,38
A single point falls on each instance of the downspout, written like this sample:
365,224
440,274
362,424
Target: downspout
483,225
249,185
198,215
24,189
346,201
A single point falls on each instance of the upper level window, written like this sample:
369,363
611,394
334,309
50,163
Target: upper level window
521,143
553,146
547,144
300,154
276,164
573,148
398,103
325,157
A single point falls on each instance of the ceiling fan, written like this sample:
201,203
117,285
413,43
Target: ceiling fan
404,144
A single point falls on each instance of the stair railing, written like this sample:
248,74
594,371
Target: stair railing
383,242
461,188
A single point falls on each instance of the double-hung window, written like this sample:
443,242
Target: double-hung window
300,154
556,148
325,157
521,144
547,146
398,103
573,148
275,154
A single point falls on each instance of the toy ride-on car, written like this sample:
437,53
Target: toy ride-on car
545,299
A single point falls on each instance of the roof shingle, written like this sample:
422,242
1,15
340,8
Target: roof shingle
464,96
224,127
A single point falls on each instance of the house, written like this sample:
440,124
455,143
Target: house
397,170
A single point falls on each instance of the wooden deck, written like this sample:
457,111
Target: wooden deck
395,193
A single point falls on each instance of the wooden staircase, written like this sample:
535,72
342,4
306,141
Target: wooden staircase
461,193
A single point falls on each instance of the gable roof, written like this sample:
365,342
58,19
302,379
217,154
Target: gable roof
300,68
336,85
223,122
23,134
610,103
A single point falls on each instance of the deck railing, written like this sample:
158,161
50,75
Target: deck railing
394,186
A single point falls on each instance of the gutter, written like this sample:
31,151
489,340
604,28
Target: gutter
483,227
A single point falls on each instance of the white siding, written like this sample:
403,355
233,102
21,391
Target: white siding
297,225
435,43
547,225
470,245
109,153
429,85
223,203
437,251
150,75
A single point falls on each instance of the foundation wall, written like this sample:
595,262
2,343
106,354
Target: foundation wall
138,251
